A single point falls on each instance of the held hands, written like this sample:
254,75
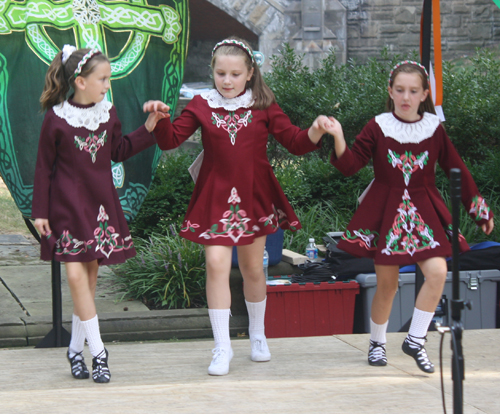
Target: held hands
335,128
319,128
42,225
158,111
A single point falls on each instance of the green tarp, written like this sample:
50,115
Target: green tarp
146,42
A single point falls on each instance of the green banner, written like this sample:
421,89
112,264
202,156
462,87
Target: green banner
146,41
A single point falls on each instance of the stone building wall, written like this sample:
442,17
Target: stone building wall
357,29
373,24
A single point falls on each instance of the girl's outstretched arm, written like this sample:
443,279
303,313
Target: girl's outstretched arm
335,128
158,110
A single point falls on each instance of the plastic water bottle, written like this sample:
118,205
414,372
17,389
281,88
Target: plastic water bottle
266,262
312,250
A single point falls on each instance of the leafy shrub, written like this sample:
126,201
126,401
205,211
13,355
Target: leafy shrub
352,93
316,220
310,180
471,103
168,197
167,273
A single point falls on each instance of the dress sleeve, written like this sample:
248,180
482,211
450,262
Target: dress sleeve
295,140
472,200
352,160
45,162
124,147
170,134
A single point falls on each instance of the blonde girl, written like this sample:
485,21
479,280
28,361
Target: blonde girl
237,200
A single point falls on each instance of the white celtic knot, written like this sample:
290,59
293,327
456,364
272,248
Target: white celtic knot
86,11
38,39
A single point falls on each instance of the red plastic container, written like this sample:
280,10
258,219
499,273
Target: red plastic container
310,309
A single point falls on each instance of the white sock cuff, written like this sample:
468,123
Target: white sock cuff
378,332
262,302
77,341
256,317
420,322
93,335
219,319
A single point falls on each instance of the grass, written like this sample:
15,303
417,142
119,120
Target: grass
11,220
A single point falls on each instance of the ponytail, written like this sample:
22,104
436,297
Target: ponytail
56,84
262,94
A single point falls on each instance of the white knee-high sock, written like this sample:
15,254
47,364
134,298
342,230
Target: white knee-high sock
93,335
219,318
256,315
77,336
378,332
419,325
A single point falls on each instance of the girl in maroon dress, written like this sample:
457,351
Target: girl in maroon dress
403,218
75,203
237,200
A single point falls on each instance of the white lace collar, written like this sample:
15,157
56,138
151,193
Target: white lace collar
216,100
89,118
407,133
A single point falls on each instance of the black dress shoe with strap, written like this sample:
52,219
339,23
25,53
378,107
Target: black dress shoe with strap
78,368
417,351
100,370
376,354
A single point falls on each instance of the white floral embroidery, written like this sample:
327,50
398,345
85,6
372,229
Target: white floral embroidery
216,100
89,118
407,133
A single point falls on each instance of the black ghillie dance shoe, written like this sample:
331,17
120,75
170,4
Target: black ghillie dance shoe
417,351
100,370
78,368
376,354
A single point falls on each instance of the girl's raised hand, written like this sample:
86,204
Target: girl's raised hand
42,225
158,111
318,128
155,106
334,128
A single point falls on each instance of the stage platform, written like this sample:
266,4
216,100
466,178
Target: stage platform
326,374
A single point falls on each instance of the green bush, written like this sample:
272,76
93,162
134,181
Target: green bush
311,180
316,220
168,197
167,273
471,101
352,93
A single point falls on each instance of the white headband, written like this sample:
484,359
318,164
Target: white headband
67,50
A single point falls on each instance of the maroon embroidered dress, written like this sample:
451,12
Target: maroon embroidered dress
73,185
236,197
403,218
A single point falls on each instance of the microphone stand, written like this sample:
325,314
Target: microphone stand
457,304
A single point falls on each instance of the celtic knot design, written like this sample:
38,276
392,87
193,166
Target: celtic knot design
86,11
90,21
